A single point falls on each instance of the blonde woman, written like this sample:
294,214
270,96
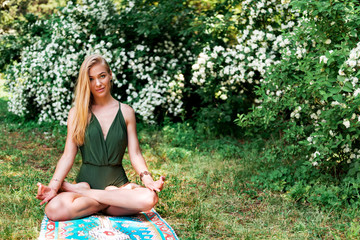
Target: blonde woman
102,128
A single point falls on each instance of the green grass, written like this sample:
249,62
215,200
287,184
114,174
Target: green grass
208,193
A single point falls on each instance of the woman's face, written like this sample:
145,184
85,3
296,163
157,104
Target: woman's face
100,78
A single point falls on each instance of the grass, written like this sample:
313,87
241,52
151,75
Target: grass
208,193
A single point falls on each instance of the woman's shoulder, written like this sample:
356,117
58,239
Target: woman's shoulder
126,108
128,112
71,113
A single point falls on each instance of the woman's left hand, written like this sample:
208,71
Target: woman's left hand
154,185
45,193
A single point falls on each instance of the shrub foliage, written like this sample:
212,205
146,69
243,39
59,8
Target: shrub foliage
149,65
311,98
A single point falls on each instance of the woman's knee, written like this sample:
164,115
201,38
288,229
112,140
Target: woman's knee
56,209
149,200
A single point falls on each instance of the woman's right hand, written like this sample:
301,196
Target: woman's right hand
45,193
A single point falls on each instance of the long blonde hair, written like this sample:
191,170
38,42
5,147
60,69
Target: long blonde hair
83,97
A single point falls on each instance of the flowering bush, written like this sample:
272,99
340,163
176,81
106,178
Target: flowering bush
151,61
147,75
226,76
311,97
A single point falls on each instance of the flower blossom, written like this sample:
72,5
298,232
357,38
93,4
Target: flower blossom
323,59
356,92
346,123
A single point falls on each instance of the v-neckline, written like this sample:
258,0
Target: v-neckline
112,123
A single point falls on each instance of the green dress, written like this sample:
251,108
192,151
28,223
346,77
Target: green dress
102,158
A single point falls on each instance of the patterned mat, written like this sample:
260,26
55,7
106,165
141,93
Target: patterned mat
147,225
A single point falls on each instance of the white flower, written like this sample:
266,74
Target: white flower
352,63
341,72
209,65
355,81
346,122
334,103
313,116
132,54
323,59
214,55
223,97
315,164
346,149
195,66
316,154
328,41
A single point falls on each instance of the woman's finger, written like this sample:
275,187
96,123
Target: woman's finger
152,187
39,189
155,189
47,199
43,201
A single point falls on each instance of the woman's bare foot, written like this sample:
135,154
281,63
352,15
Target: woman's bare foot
129,186
77,188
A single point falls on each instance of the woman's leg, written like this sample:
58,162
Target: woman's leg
70,205
122,201
118,211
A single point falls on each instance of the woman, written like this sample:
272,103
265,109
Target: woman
102,128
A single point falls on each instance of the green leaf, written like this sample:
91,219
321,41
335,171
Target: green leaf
340,78
348,87
338,98
334,90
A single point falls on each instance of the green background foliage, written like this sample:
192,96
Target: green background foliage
318,149
15,18
285,71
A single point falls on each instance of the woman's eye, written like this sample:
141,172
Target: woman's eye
91,79
102,76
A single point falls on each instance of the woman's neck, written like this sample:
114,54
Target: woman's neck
104,101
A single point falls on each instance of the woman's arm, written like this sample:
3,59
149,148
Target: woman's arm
46,193
136,158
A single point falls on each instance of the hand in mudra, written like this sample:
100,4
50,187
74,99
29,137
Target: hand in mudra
155,185
45,193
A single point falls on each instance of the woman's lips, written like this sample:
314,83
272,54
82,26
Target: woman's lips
100,89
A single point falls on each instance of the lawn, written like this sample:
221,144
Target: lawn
208,193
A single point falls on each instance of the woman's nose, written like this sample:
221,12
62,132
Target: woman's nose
97,82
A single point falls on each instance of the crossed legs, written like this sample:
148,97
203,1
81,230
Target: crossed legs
78,200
